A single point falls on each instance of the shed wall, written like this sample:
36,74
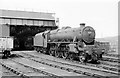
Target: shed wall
4,30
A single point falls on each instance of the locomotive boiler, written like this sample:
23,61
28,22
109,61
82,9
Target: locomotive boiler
87,34
69,43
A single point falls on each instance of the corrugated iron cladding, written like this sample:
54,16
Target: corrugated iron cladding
27,15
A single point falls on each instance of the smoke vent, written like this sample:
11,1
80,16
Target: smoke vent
82,24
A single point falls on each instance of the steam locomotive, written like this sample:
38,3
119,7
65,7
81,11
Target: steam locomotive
69,43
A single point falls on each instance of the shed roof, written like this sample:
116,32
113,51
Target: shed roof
26,14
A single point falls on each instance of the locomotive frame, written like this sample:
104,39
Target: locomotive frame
60,44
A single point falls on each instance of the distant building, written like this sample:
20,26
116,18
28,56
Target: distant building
13,18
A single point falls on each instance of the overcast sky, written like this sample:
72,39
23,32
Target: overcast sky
102,15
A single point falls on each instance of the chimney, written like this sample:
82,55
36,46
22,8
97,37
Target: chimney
82,25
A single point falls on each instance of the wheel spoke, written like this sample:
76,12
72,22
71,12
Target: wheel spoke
64,55
82,57
51,53
56,54
71,57
94,57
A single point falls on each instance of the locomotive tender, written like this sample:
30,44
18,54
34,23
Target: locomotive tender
69,43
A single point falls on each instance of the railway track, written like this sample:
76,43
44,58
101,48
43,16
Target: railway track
54,72
112,64
72,67
22,70
111,59
105,65
6,72
66,69
112,55
32,68
13,70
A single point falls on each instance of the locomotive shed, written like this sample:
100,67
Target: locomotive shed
23,25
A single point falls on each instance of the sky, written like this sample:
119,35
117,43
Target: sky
102,15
